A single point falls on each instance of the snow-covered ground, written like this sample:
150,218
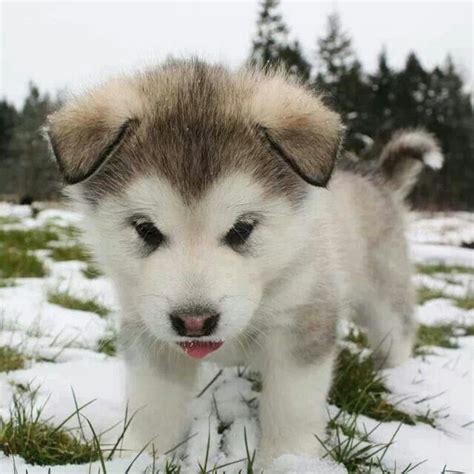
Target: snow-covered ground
64,343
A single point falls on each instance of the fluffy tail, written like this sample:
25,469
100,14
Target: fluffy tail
405,155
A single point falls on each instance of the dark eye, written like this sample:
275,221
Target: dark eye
147,231
240,232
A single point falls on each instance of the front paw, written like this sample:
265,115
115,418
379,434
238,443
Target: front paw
134,442
271,450
129,446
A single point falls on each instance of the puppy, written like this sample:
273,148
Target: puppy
214,202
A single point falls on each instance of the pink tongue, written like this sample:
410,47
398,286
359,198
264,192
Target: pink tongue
198,350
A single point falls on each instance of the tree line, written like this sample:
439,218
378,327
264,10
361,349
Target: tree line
372,104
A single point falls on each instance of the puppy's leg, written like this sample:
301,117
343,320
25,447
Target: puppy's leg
391,332
293,400
158,396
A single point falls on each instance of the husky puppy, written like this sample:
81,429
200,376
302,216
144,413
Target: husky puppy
214,202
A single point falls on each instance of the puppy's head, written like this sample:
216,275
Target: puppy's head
195,183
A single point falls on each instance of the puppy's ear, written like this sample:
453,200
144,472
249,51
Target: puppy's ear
297,127
88,131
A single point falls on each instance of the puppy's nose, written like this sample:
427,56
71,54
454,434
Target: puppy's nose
194,323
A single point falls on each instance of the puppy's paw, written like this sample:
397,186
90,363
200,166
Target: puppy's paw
395,355
129,446
304,446
133,443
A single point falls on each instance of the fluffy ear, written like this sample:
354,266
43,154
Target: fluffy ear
87,131
298,127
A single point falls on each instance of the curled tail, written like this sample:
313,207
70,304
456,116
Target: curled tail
405,155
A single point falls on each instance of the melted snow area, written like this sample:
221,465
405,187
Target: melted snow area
64,344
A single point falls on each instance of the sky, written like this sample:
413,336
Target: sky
72,45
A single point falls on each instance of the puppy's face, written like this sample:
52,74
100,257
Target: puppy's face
200,268
195,185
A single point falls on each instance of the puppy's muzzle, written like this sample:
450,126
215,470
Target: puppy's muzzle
194,323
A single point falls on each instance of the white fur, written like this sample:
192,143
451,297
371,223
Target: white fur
306,265
433,159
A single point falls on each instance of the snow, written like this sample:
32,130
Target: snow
441,382
442,229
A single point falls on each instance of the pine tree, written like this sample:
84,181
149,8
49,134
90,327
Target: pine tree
341,76
334,55
411,88
37,175
449,115
8,119
382,104
271,46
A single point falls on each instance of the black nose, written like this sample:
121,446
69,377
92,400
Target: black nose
194,322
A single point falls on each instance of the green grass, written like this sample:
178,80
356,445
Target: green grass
358,388
91,271
25,433
433,268
441,336
11,359
68,231
469,330
108,345
465,302
444,335
32,239
358,337
353,448
71,252
6,283
16,259
15,263
65,299
38,442
425,294
5,220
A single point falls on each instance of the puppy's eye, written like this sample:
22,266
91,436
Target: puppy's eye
147,231
239,233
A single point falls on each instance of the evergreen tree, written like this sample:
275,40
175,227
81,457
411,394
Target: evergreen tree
382,103
411,89
36,173
341,76
334,55
8,119
448,114
271,46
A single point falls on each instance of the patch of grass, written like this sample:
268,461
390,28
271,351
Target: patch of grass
466,302
72,252
65,299
444,335
5,220
18,263
11,359
31,239
425,294
358,388
357,337
91,271
352,448
441,336
5,283
108,345
39,442
469,330
433,268
68,231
